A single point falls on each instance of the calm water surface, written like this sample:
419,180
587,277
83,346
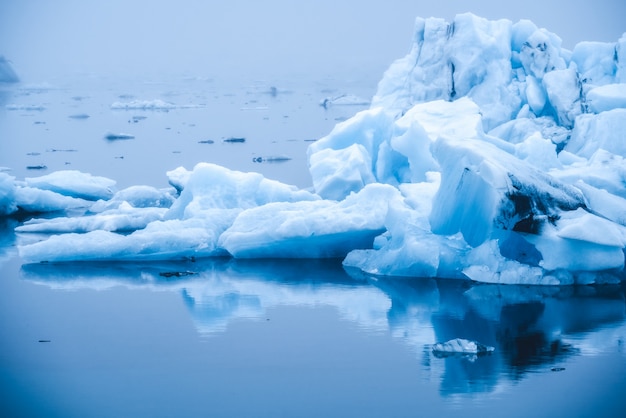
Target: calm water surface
265,338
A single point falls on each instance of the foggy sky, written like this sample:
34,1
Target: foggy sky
46,39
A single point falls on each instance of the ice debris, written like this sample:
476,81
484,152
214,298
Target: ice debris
461,346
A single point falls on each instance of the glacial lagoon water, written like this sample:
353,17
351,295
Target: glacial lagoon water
227,337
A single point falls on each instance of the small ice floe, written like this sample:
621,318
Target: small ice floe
61,150
344,100
114,137
79,116
22,107
143,105
37,167
462,347
271,159
137,119
235,140
206,141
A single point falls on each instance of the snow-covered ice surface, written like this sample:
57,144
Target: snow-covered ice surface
489,153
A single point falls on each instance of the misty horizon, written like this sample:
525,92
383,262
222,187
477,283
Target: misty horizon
45,40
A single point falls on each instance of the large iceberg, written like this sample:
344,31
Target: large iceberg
489,153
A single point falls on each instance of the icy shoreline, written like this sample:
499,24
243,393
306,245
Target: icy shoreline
489,153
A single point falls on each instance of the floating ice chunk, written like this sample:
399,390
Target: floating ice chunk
607,97
124,219
75,184
272,159
167,240
461,346
606,130
318,229
118,136
79,116
14,197
143,105
23,107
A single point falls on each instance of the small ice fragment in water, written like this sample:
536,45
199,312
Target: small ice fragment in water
79,116
61,150
136,119
461,346
271,159
112,137
235,139
206,141
38,108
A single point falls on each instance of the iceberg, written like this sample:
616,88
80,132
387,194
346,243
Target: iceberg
488,153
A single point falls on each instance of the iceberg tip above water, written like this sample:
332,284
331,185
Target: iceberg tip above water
488,152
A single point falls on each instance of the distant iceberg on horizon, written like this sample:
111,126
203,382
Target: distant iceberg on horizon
7,73
489,153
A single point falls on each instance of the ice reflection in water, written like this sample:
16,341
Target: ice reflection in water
531,328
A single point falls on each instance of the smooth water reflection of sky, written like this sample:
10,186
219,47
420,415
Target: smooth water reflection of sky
309,327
